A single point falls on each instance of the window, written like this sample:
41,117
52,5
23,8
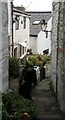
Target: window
23,50
36,22
24,22
17,23
15,52
46,51
20,50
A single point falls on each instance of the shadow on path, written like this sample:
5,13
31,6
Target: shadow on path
47,107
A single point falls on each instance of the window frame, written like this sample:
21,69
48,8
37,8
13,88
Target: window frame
24,22
17,22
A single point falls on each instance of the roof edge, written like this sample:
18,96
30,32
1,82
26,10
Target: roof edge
19,11
38,11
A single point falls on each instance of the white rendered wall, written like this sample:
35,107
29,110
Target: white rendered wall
21,35
43,42
33,44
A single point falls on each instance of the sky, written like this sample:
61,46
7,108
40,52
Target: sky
34,5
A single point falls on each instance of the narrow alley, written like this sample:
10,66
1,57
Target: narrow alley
47,107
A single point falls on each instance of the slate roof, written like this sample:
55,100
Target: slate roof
37,16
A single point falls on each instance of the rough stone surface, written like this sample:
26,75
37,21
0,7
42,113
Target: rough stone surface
58,52
48,70
3,47
54,43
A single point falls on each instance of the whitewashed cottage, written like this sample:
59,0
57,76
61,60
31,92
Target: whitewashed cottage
21,33
40,42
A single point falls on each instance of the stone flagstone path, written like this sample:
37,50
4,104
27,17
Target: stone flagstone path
47,107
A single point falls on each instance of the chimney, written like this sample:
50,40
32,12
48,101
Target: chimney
21,8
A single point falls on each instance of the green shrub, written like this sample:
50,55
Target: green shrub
16,107
39,63
36,60
14,67
32,60
46,58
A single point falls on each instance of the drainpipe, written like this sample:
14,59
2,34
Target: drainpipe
12,26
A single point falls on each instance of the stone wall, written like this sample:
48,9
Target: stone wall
54,43
48,70
3,47
58,52
14,85
0,47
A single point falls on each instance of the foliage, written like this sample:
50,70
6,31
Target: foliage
39,63
15,107
32,60
46,58
14,67
0,104
36,59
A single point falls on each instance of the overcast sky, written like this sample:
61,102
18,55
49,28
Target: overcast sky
34,5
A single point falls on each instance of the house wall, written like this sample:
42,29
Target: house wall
44,43
33,44
3,47
41,43
58,52
21,35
